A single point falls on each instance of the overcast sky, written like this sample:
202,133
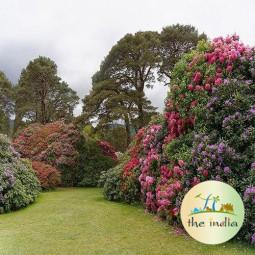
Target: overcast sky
78,34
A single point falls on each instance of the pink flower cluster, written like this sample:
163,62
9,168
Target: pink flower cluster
169,187
176,125
145,179
227,50
150,136
227,54
130,165
145,169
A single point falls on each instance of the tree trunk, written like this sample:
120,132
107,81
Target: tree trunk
140,110
17,121
43,109
127,127
43,98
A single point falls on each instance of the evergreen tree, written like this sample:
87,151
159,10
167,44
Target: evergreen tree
41,96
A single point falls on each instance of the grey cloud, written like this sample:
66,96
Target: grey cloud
15,56
77,34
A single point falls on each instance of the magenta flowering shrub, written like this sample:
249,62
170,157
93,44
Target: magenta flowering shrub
168,188
212,64
248,231
130,165
207,131
176,125
149,165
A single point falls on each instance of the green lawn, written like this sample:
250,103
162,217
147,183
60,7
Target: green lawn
81,222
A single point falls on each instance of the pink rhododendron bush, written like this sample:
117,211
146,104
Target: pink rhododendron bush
207,132
79,159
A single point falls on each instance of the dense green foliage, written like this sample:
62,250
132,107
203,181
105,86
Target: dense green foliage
111,182
6,103
115,134
119,186
91,162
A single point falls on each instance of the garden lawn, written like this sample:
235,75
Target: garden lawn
76,221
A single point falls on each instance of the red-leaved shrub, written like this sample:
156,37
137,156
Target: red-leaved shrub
53,143
78,158
48,176
107,149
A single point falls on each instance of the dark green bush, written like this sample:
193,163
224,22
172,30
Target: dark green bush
111,182
131,188
90,163
180,148
118,187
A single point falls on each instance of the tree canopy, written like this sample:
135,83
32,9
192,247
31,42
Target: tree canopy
108,102
131,64
41,95
175,41
6,103
136,62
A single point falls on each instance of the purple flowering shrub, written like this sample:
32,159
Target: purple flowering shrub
18,183
224,149
212,159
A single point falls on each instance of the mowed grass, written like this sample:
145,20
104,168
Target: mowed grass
76,221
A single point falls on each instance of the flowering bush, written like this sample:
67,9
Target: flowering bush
199,71
225,151
48,176
248,231
53,143
207,131
18,183
79,160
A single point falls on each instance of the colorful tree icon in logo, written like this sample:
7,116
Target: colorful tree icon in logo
206,207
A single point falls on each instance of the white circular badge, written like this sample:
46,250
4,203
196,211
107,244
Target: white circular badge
212,212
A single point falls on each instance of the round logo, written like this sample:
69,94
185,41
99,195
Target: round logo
212,212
